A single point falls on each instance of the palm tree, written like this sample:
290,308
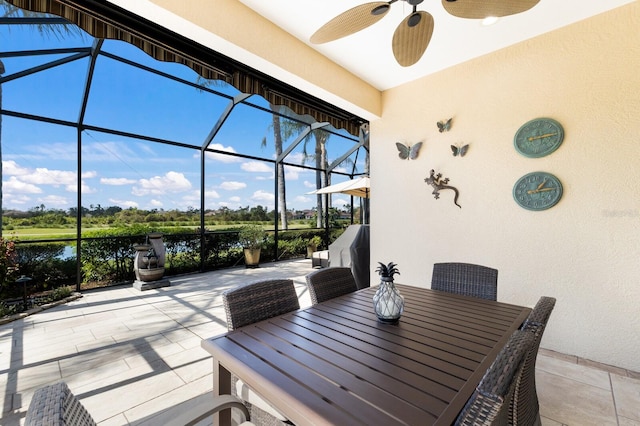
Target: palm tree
322,179
282,187
282,130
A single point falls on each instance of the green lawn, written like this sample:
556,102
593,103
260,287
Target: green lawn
51,233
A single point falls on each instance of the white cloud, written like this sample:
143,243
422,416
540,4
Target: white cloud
172,182
233,186
86,189
117,181
125,204
211,194
189,200
221,157
339,202
89,175
11,168
311,185
291,173
57,151
16,198
156,203
235,199
15,185
54,200
45,176
263,196
107,152
256,166
295,158
302,199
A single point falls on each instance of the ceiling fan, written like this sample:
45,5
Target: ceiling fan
412,36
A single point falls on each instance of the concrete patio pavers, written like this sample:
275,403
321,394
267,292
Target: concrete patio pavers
127,354
134,357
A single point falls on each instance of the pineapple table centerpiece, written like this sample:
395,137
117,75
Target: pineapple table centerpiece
387,302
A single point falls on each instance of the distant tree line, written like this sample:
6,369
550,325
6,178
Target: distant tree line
96,215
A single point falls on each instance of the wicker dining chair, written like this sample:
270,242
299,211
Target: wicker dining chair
327,283
465,279
489,404
525,408
56,405
248,304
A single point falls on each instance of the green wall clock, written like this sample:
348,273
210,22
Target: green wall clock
537,191
538,137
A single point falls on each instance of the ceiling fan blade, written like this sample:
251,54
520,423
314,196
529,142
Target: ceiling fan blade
480,9
351,21
410,42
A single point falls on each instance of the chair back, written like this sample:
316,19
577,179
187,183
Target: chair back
327,283
56,405
489,404
258,301
525,408
465,279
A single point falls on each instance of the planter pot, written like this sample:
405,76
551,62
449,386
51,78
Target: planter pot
251,257
310,250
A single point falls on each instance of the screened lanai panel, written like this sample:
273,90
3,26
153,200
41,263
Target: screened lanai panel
29,37
236,183
39,171
250,131
320,147
135,100
299,182
137,174
352,165
105,21
53,93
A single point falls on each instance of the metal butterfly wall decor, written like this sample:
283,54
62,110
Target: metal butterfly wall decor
406,152
444,125
460,150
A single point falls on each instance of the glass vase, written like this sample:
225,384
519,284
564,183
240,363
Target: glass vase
388,303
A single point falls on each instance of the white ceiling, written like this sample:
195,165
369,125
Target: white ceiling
368,54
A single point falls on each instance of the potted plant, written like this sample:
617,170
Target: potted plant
313,244
252,237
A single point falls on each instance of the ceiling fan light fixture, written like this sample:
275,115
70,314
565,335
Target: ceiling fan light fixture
489,20
414,19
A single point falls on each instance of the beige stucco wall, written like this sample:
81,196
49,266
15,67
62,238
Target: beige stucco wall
585,251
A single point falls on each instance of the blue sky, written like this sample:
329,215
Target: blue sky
39,159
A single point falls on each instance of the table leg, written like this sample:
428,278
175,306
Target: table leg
221,386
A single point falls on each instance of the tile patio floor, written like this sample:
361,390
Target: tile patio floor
130,355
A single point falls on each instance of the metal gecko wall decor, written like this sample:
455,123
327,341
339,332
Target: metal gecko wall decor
438,184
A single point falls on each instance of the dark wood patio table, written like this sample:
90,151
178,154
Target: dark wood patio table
334,363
